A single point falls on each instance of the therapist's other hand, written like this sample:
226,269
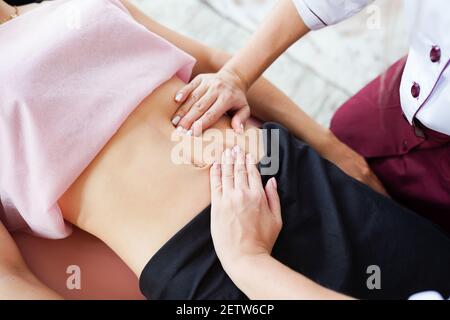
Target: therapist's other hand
354,165
209,96
245,216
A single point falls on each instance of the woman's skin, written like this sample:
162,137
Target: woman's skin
133,196
245,223
209,96
16,280
6,10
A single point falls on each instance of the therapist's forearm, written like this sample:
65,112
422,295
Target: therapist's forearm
270,104
250,276
277,33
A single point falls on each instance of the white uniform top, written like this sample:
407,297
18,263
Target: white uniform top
425,86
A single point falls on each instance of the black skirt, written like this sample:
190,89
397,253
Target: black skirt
336,231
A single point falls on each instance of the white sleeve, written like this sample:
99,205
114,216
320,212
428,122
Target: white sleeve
429,295
318,14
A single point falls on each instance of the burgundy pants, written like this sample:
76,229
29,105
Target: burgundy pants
413,163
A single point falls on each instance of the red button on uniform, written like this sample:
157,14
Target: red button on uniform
435,54
415,90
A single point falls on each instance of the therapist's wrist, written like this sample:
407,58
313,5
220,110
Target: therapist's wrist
238,78
249,273
240,268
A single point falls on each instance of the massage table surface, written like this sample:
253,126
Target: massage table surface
103,275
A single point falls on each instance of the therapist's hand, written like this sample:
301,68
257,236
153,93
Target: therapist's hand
245,216
208,97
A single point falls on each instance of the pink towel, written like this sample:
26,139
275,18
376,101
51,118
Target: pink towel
71,72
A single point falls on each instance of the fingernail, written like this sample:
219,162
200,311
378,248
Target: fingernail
178,97
240,130
176,120
180,129
274,183
236,149
189,133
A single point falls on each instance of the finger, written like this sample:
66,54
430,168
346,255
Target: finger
182,94
240,169
210,117
227,171
198,108
273,198
184,109
241,116
185,105
181,97
216,182
254,178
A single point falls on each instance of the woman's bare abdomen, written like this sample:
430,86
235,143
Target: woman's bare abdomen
143,186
